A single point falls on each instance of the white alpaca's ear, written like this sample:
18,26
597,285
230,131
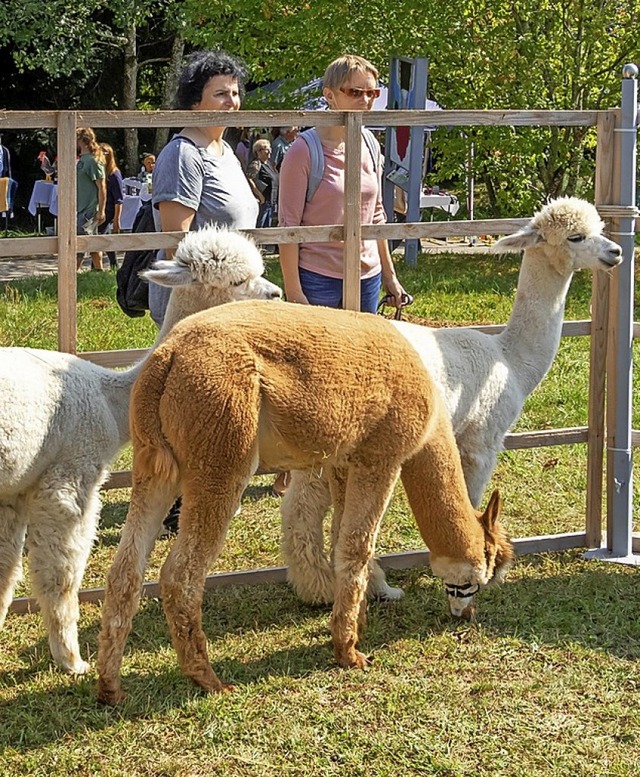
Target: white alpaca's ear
519,241
168,273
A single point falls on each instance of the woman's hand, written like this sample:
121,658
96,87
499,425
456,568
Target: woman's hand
296,296
395,290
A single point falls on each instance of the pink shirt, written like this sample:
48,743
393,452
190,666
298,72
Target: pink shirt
327,207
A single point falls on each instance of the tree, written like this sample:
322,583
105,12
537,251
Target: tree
85,40
519,54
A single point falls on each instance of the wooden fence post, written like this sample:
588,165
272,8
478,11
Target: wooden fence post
67,242
352,235
604,195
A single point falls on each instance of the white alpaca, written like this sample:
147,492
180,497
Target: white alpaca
485,379
62,421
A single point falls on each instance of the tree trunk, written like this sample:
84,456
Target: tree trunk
494,210
170,86
129,95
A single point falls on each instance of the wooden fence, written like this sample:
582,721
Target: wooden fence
601,327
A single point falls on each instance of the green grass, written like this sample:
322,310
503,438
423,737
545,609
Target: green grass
545,683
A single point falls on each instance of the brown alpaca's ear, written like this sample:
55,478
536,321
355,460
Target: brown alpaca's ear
492,513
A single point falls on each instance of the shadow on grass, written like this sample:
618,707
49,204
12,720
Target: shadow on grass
593,608
114,514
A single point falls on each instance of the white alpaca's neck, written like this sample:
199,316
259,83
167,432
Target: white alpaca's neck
117,385
532,335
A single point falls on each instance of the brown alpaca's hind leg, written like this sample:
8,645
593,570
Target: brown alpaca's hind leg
207,508
365,495
150,500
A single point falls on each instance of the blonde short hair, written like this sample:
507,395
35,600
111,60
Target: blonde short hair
339,71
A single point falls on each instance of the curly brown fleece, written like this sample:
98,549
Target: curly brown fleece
283,386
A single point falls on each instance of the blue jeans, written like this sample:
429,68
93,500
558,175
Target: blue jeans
321,290
265,215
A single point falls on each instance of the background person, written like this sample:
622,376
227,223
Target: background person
115,197
91,190
281,145
243,147
146,171
263,179
197,179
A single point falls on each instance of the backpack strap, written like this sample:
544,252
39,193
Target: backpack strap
373,146
312,139
316,170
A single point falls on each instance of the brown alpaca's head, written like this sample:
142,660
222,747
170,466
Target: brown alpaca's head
464,578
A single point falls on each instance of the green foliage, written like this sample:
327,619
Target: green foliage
81,39
541,55
483,54
491,54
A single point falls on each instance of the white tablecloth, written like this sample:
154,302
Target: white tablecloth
130,207
446,202
44,195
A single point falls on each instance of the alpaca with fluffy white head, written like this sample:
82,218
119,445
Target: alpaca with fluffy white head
63,420
485,379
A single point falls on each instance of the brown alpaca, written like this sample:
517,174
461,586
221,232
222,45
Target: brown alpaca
286,387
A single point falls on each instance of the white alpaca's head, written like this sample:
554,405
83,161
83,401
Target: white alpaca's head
221,265
568,233
464,578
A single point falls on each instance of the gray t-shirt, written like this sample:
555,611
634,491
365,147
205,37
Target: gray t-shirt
214,186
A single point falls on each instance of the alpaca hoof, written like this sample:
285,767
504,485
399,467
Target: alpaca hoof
109,696
387,594
354,660
361,661
78,668
317,592
213,690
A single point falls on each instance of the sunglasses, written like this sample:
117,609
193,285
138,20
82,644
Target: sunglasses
352,91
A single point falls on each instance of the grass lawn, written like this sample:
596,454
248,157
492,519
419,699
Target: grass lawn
544,683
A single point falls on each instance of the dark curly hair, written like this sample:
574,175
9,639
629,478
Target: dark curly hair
199,68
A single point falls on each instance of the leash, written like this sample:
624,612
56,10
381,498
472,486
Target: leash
387,300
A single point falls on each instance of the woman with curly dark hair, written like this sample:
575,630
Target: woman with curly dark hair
198,179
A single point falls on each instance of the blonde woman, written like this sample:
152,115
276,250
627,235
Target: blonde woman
91,190
313,272
115,197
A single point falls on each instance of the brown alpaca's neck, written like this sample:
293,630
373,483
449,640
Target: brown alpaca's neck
435,487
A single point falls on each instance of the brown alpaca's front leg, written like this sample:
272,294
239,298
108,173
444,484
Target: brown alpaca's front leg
149,504
365,496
